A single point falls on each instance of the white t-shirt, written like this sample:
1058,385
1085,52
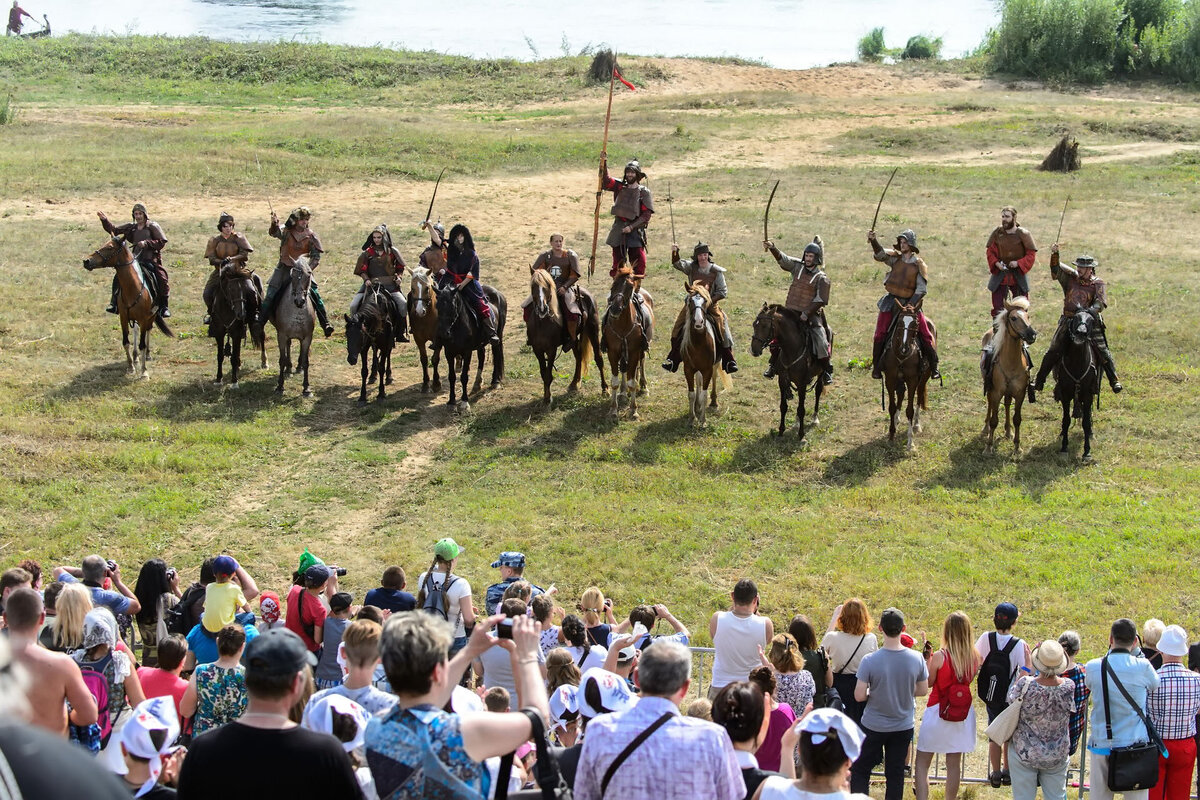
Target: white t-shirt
736,644
457,591
1016,658
841,646
497,671
595,657
777,787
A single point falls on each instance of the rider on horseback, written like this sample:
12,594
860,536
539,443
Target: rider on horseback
563,266
381,261
632,208
433,257
229,247
906,286
807,296
462,270
148,240
296,239
1010,255
701,268
1082,291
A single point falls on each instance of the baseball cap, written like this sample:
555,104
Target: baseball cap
341,601
891,621
317,574
276,652
1174,641
1007,611
154,716
224,565
509,558
447,549
318,716
602,692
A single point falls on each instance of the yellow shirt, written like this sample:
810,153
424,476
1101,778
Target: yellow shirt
221,603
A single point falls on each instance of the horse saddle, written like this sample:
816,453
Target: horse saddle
150,280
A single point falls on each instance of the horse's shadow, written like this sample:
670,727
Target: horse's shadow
200,400
335,407
580,417
765,452
94,381
652,437
971,468
859,464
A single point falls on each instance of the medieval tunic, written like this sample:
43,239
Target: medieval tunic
1016,246
632,207
220,250
713,280
385,266
147,243
462,264
293,245
808,294
905,284
562,268
433,258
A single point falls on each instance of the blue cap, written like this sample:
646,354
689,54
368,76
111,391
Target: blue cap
509,558
317,574
1008,611
224,565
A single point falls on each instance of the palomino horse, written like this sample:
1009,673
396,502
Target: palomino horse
459,335
545,332
295,320
698,352
134,303
799,367
1009,380
228,326
627,335
369,331
423,323
1077,378
905,373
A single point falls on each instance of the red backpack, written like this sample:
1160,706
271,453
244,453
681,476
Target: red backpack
954,701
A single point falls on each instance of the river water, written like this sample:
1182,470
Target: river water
791,34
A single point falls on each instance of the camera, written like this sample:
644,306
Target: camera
171,573
504,629
112,565
340,571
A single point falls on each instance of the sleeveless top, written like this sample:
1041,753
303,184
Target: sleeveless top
944,679
736,642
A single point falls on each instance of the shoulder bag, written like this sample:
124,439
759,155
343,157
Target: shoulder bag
1002,727
551,784
1132,767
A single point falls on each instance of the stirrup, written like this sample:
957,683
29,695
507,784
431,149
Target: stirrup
208,319
165,313
670,365
769,372
328,330
1116,386
730,367
112,308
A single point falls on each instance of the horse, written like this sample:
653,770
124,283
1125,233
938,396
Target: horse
134,302
905,373
627,336
1009,378
459,334
698,352
370,331
295,320
423,323
228,326
1077,378
799,367
545,333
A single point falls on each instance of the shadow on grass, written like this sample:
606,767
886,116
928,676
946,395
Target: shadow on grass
336,407
767,452
94,381
200,400
652,437
574,419
856,466
1039,467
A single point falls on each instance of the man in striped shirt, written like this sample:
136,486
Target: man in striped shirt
1173,707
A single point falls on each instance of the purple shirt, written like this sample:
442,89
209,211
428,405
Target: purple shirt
684,759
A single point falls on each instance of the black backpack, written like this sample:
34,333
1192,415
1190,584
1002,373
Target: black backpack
437,601
996,672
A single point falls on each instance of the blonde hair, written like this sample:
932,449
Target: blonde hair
361,640
854,619
1152,631
959,643
785,654
560,669
73,604
592,603
700,708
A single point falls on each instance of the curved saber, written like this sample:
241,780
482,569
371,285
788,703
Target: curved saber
767,215
435,188
1058,235
880,205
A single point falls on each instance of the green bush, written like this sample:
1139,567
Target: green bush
8,111
922,47
1180,43
871,46
1062,40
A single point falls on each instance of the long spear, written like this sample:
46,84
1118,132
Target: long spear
612,78
1060,220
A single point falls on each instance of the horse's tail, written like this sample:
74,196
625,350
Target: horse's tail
258,336
921,395
585,356
726,378
162,326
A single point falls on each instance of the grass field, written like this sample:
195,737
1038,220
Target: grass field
651,511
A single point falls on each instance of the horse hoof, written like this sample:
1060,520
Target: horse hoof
233,385
425,388
816,421
306,393
362,402
1087,459
917,428
635,416
217,382
279,391
496,384
463,407
573,388
389,380
803,442
437,386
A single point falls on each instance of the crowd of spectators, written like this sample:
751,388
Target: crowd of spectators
163,690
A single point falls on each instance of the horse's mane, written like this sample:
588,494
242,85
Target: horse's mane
999,324
697,287
303,263
421,275
542,278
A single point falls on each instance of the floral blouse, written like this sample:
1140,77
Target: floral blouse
1042,738
220,696
795,688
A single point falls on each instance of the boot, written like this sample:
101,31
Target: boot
727,362
877,359
827,373
671,364
1110,369
1040,382
112,304
267,310
322,316
932,356
163,311
772,364
401,325
489,329
570,331
986,368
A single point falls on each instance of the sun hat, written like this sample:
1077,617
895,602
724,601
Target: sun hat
564,704
824,722
1173,642
1049,657
318,716
602,692
155,718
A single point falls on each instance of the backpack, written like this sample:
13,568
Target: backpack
183,616
175,618
96,682
954,703
996,673
437,601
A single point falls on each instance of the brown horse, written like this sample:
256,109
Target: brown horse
545,333
905,373
134,303
423,322
799,367
295,320
1009,379
369,336
228,325
698,352
627,336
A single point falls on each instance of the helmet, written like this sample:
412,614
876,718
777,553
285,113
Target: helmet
1086,262
139,207
380,228
701,247
225,217
440,228
909,236
637,168
818,252
300,213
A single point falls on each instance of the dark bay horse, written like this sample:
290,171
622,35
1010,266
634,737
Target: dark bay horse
905,373
699,356
545,333
1077,378
295,320
799,368
229,322
1009,380
134,303
423,323
459,335
627,336
369,333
